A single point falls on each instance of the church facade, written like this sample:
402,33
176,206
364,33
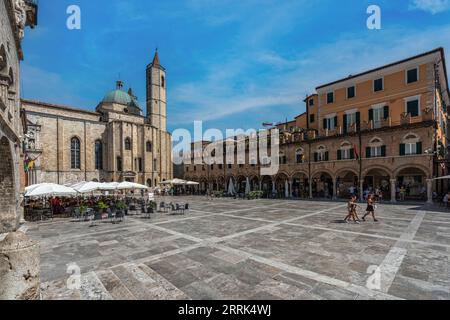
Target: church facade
116,142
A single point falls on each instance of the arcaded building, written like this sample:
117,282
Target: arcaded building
115,142
384,129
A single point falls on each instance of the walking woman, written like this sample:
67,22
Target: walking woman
351,206
370,208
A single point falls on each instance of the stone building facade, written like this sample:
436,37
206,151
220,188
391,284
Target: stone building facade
381,129
19,256
116,142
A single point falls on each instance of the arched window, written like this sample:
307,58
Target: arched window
3,62
98,155
163,81
346,151
376,148
75,153
148,146
149,183
299,155
321,154
127,144
11,77
410,145
119,164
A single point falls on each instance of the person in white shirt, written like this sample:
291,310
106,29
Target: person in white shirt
445,200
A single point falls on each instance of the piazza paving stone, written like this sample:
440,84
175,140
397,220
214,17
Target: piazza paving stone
258,249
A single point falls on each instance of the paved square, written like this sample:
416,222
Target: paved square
239,249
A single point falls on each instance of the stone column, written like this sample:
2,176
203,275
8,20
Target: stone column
310,189
19,267
361,190
430,191
393,190
290,189
334,189
273,186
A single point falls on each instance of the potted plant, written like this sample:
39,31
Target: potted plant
102,207
152,206
83,209
121,206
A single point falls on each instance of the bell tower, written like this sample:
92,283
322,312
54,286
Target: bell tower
156,94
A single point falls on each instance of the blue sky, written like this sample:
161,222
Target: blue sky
232,64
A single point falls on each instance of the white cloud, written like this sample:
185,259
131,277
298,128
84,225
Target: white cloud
213,98
432,6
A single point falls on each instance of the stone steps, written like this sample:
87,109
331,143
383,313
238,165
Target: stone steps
123,282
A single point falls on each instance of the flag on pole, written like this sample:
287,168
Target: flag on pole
267,124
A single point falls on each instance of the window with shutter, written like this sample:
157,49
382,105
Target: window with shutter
344,123
351,92
339,155
412,107
368,152
402,149
412,76
386,112
419,148
330,97
378,85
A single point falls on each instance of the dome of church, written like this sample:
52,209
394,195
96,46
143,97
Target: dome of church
117,96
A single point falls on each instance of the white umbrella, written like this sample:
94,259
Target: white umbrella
192,183
231,187
108,186
286,189
442,178
131,186
86,187
175,182
51,189
33,186
247,186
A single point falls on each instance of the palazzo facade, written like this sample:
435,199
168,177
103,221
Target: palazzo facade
385,129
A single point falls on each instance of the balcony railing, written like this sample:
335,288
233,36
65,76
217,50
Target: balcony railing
405,119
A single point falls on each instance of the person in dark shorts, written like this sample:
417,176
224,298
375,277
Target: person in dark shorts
370,208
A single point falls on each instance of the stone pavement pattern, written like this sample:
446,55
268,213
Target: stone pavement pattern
238,249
